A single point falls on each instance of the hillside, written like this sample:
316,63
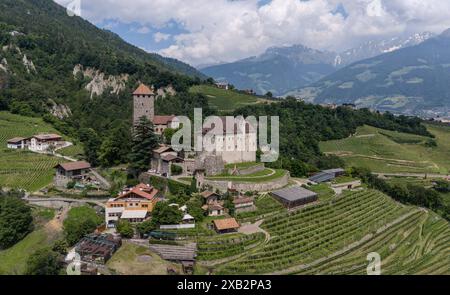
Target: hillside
412,80
225,100
24,169
351,226
394,152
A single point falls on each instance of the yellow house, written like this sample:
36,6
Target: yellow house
133,205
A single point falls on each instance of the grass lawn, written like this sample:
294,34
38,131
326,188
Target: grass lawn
23,169
394,152
241,165
132,259
225,100
13,260
344,179
265,204
75,151
262,176
323,190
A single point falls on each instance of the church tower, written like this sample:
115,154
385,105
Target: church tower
143,103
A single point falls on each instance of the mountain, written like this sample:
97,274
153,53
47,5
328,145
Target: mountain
413,80
282,69
374,48
278,70
51,62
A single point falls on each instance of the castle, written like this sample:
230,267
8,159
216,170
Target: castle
225,145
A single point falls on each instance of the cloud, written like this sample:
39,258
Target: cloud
226,30
143,30
158,37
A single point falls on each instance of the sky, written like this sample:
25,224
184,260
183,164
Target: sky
203,32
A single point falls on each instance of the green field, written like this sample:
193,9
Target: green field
393,152
261,176
225,100
24,169
316,238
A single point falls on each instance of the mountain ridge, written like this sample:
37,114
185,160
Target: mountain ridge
262,73
411,80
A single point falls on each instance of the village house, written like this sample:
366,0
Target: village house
161,123
226,225
212,204
243,204
134,205
16,143
222,85
72,171
42,142
36,143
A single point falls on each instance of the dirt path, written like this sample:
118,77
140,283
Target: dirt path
346,249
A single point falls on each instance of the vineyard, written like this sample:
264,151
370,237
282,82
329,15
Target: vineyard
226,246
417,245
23,169
304,236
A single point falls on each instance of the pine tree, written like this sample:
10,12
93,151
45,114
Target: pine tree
144,141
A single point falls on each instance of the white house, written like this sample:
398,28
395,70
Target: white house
42,142
16,143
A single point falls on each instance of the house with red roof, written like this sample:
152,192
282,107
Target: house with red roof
134,205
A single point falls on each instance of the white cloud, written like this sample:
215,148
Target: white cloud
225,30
143,30
158,37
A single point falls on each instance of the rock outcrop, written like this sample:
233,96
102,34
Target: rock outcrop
99,82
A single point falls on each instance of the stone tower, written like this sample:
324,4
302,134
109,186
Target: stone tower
143,103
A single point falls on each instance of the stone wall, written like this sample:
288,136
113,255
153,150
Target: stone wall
271,185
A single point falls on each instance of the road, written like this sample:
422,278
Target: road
418,175
68,200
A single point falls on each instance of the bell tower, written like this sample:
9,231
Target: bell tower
143,103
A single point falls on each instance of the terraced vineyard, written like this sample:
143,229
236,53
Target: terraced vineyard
26,170
226,246
417,245
23,169
306,236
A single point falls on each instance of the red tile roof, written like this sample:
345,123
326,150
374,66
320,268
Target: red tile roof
142,190
224,224
163,120
71,166
207,194
143,90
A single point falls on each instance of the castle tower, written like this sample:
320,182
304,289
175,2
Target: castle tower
143,103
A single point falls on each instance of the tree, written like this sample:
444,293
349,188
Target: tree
165,214
194,208
91,143
43,262
115,148
60,247
269,94
80,221
144,141
16,221
125,229
145,227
